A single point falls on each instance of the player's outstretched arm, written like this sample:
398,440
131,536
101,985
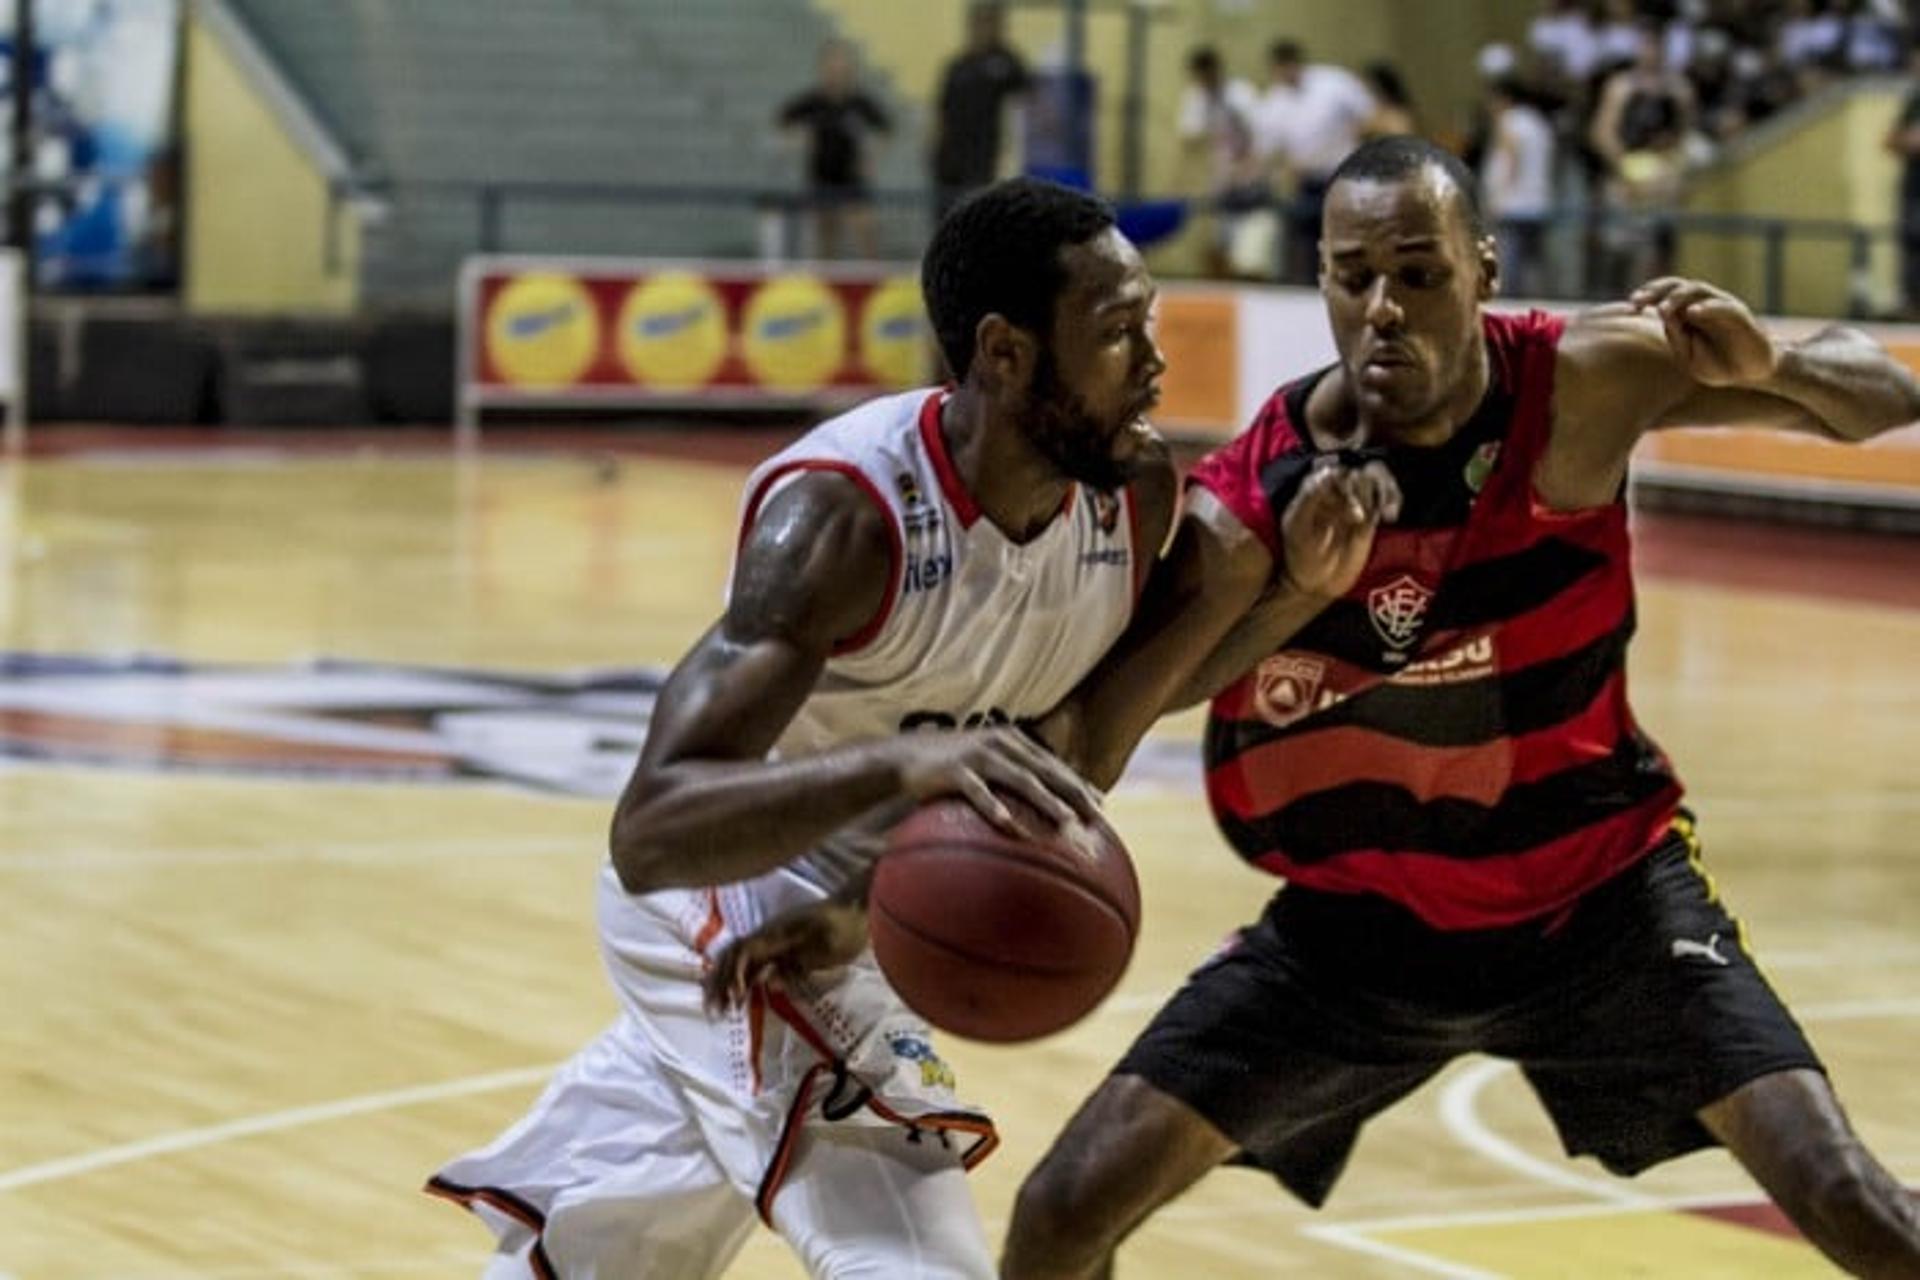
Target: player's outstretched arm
1216,604
1326,534
1209,578
704,806
1683,353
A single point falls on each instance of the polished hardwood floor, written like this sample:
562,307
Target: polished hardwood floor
303,768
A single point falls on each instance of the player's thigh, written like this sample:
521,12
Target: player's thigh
1665,1012
863,1201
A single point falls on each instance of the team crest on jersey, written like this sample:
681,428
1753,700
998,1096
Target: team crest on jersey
328,721
908,489
1106,511
1398,609
1285,688
1480,466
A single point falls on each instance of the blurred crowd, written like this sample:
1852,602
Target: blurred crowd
1605,104
1601,108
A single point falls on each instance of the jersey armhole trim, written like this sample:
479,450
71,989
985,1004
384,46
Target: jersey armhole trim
896,544
1142,557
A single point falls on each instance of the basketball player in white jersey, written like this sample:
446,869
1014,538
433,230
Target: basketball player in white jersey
936,560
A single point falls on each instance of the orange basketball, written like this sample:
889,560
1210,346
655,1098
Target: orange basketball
997,938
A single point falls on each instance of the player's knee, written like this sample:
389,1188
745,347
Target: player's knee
1847,1206
1057,1228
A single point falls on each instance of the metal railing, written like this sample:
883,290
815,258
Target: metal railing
771,221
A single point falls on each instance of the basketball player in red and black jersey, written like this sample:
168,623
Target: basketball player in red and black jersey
1433,745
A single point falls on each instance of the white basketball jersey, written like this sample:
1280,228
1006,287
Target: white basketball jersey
975,629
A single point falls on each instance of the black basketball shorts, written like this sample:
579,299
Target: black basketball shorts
1627,1014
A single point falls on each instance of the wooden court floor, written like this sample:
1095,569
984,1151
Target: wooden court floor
302,773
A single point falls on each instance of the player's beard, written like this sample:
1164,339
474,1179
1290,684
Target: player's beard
1063,428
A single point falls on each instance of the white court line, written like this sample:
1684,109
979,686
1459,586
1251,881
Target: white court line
1459,1108
1459,1113
1538,1213
271,1122
1342,1235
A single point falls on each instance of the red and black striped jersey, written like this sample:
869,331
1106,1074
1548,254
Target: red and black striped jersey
1453,734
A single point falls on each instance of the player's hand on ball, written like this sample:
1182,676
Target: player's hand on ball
1713,334
1327,530
824,936
973,763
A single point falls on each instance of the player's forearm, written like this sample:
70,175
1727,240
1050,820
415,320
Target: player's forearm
1847,382
698,823
1266,628
1190,603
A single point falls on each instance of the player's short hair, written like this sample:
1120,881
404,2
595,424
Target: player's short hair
998,252
1394,158
1287,52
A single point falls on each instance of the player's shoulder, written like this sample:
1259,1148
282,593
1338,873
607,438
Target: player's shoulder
876,436
815,558
1612,340
852,473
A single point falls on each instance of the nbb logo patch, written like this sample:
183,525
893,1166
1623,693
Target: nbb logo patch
329,721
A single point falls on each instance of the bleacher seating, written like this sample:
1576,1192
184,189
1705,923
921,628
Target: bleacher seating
442,94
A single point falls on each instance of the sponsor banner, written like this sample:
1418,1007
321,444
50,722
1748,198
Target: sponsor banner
585,330
1268,336
104,86
1199,334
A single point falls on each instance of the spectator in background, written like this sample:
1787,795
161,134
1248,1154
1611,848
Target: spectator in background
1682,33
1311,117
1716,89
1393,111
1640,131
975,91
1873,34
1765,84
1645,101
1495,62
1566,43
1516,181
1903,140
1217,119
836,116
1811,39
1617,38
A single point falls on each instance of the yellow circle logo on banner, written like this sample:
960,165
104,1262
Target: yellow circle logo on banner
542,330
794,335
673,331
893,337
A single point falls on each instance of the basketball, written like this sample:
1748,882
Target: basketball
998,938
